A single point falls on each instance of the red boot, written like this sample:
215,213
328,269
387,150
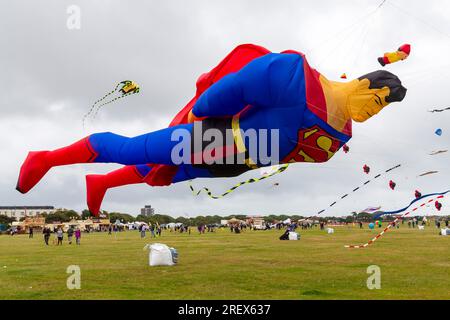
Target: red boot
38,163
98,184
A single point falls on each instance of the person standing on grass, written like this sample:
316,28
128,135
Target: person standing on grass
46,233
152,231
30,234
142,231
70,234
159,230
78,236
59,234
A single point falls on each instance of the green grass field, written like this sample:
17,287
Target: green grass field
252,265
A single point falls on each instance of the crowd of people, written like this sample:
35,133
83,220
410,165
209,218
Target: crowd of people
156,230
415,222
59,235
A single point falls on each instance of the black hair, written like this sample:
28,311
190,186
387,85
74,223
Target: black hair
382,78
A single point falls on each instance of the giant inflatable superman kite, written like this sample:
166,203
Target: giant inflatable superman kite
251,88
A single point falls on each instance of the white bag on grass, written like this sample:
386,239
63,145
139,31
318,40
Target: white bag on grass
160,255
330,230
294,236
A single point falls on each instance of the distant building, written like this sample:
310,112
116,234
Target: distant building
147,211
256,221
18,212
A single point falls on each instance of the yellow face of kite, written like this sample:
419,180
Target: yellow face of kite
365,102
373,92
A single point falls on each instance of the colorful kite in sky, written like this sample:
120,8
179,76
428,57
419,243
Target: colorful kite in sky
345,148
417,194
251,89
390,57
392,185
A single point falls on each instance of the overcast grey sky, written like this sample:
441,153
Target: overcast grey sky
50,75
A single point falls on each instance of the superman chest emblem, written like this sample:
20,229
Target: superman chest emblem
313,145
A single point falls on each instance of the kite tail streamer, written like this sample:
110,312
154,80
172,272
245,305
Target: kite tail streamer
357,188
111,101
98,101
252,180
390,226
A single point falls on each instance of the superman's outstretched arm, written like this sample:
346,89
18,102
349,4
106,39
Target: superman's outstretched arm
260,83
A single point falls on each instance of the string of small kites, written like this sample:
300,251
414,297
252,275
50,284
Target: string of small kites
366,170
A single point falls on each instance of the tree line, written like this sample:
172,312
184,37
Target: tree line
64,215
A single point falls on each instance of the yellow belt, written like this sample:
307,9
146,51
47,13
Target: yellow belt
239,141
